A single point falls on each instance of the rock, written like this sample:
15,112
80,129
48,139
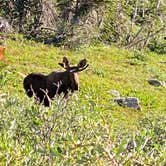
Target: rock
115,93
5,26
156,82
131,102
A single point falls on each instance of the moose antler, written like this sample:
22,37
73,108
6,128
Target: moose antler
65,63
82,65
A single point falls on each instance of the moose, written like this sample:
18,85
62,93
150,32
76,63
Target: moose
45,87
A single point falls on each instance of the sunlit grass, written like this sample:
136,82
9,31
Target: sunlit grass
91,127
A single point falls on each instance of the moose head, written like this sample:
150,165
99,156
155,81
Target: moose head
45,87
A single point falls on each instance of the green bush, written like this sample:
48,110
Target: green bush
146,145
158,46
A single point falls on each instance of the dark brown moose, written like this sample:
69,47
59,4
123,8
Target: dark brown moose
45,87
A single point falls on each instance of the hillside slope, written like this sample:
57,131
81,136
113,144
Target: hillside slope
91,129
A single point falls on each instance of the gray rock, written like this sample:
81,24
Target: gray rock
131,102
114,93
5,26
155,82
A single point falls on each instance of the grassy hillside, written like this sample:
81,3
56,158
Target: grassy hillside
91,129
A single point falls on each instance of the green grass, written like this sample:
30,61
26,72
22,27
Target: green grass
91,129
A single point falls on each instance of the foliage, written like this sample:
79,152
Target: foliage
62,135
90,129
34,135
145,145
72,23
134,23
158,45
58,22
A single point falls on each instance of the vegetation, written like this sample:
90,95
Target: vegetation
125,45
71,23
91,129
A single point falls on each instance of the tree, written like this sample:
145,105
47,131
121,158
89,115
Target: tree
129,23
24,15
79,20
134,23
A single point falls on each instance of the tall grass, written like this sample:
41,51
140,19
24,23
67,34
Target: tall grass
76,134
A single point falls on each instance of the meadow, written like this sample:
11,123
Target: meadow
91,129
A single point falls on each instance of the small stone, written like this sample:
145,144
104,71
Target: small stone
155,82
131,102
115,93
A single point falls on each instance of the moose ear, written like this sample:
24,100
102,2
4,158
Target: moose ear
82,63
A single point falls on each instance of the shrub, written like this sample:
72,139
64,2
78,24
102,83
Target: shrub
158,46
